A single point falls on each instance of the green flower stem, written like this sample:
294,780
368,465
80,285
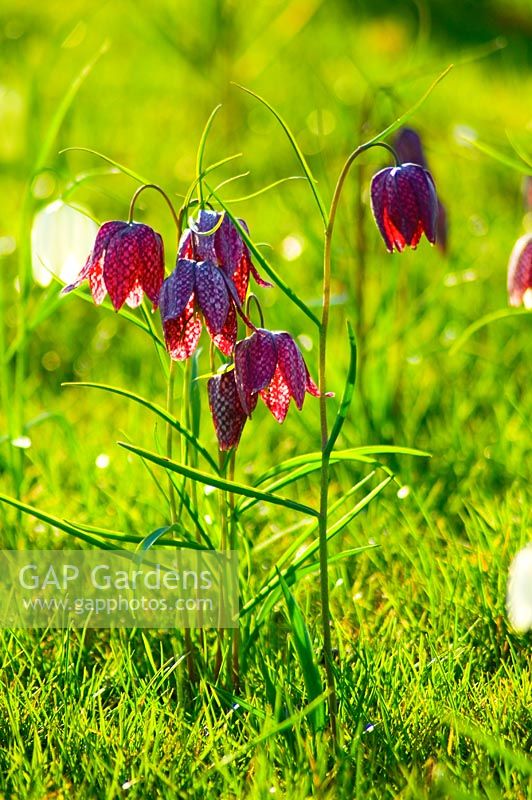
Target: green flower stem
169,438
175,216
324,483
235,632
224,539
189,646
173,508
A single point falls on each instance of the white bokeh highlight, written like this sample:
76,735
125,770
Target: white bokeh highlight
61,239
519,594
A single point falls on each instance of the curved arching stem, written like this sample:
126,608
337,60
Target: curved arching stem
255,299
175,216
324,485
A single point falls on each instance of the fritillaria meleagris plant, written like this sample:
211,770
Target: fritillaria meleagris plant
209,287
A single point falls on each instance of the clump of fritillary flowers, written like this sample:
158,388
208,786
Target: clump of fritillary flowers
208,292
210,286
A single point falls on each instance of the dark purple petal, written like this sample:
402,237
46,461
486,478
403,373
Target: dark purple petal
182,334
177,289
378,194
204,249
404,204
292,366
247,256
227,413
255,363
394,234
228,246
425,191
407,145
403,208
105,234
212,294
520,272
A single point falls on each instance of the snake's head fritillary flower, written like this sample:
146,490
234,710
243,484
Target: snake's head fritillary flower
409,147
227,413
211,277
404,204
519,592
196,287
520,273
127,261
212,236
270,364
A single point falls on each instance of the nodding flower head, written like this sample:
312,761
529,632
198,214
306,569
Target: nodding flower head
520,273
227,413
127,261
213,237
211,277
194,287
404,204
409,147
271,364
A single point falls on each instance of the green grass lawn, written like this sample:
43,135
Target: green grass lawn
435,689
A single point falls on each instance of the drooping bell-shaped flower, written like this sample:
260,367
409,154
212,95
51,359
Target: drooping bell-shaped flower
212,236
404,204
127,261
227,413
520,273
196,287
409,148
211,277
270,364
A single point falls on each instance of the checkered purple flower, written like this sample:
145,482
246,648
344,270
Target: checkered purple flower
211,278
409,147
227,413
270,364
213,237
404,204
127,261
